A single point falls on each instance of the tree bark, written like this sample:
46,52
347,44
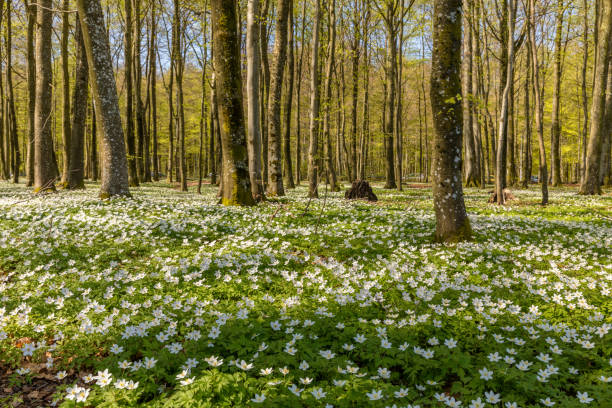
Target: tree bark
555,128
253,99
500,176
539,104
331,51
44,172
591,183
114,161
12,118
31,73
79,114
471,163
313,147
236,184
288,170
275,176
452,222
65,94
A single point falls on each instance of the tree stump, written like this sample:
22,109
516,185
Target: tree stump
507,196
360,189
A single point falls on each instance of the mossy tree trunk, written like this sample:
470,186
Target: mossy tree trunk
114,160
236,184
452,222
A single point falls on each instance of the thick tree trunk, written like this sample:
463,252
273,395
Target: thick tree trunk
44,172
79,114
104,89
264,91
236,184
452,222
591,183
275,171
352,162
313,147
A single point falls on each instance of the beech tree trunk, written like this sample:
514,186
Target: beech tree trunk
288,170
79,114
236,184
539,104
591,183
331,50
44,171
31,71
253,99
65,94
313,147
275,171
452,222
114,160
555,128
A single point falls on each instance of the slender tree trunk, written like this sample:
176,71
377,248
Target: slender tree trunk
314,106
129,96
203,113
12,122
236,184
329,164
275,172
104,89
585,99
253,99
94,142
264,91
390,98
44,175
500,176
452,222
179,69
66,93
526,170
79,114
555,128
539,105
153,89
471,164
298,143
31,71
288,170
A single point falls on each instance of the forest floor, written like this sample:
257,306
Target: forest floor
170,300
